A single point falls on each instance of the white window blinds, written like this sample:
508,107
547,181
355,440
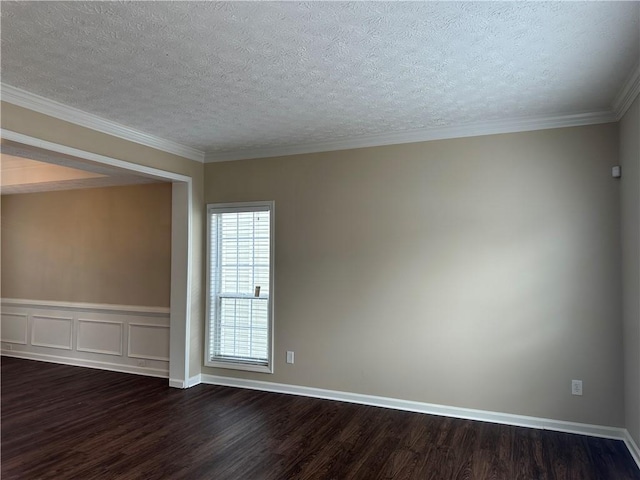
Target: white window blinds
240,284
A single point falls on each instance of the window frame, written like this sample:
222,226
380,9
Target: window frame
268,206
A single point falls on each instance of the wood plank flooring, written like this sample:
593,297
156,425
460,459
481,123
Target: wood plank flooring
61,422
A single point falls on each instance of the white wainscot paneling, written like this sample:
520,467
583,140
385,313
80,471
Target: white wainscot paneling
14,328
52,332
148,341
100,336
88,335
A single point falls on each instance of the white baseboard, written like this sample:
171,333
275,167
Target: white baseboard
600,431
632,446
195,380
420,407
114,367
173,383
192,382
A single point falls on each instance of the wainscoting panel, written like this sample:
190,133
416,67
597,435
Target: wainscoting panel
52,332
100,336
113,337
14,328
149,341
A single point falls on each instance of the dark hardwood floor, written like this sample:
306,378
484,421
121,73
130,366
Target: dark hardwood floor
61,422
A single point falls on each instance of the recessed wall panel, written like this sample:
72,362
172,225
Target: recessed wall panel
99,336
52,332
149,341
13,328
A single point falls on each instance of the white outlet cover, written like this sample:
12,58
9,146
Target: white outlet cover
616,171
290,357
576,387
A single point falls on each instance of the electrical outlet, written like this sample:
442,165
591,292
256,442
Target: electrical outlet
289,357
576,387
7,346
142,363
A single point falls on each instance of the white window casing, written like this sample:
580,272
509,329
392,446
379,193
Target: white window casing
240,286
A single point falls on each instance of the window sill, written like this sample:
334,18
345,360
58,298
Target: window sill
247,367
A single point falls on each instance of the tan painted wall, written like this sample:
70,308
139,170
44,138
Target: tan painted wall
630,207
480,272
104,245
47,128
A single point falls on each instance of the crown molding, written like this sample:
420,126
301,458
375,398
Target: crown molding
69,114
627,94
422,135
58,110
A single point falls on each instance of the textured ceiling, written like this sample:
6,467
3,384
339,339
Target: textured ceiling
229,76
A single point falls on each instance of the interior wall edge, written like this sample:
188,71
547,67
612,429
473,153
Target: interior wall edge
42,129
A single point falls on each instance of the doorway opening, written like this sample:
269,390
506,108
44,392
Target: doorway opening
100,168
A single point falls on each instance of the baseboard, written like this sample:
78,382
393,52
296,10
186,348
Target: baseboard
173,383
420,407
192,382
76,362
632,446
195,380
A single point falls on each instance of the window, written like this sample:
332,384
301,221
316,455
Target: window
240,286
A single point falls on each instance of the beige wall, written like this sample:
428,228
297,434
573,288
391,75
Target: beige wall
630,206
480,272
47,128
104,245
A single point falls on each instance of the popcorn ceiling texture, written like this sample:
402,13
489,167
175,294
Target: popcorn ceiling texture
225,76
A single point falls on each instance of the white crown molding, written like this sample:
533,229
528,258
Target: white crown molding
422,135
69,114
628,93
43,105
